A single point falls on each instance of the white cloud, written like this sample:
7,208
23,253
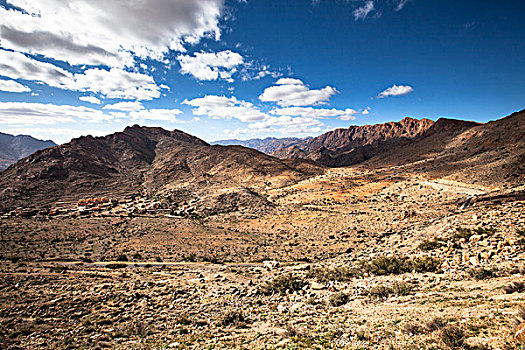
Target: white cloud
401,4
211,66
84,31
25,113
366,111
156,114
113,83
346,114
292,92
125,106
396,90
225,107
90,99
13,86
362,12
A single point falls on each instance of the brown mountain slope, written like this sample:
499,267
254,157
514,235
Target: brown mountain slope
488,154
13,148
139,160
356,144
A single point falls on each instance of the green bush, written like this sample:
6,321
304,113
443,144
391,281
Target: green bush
380,292
388,265
233,317
462,232
402,288
481,273
114,266
122,257
426,264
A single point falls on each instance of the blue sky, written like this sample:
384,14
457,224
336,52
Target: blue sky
242,69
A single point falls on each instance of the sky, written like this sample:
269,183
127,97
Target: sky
224,69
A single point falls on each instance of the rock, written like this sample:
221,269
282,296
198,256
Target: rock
317,286
301,267
270,264
282,308
283,343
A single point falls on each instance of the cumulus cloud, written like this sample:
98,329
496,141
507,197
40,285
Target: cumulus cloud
169,115
125,106
84,31
366,111
13,86
310,112
210,65
26,113
396,90
225,107
90,99
113,83
362,12
293,92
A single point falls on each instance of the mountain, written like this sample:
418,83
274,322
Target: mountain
13,148
488,154
356,144
141,160
268,145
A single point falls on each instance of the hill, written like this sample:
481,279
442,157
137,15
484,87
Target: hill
268,145
13,148
137,161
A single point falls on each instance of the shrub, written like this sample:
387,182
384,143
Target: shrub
388,265
122,257
233,317
462,232
339,299
481,273
426,264
114,266
402,288
431,245
453,337
485,230
413,328
380,292
333,274
435,324
520,232
515,287
137,256
158,259
283,284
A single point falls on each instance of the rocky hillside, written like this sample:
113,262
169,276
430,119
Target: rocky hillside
13,148
140,160
343,147
268,145
491,153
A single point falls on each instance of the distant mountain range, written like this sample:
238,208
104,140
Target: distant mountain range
13,148
269,145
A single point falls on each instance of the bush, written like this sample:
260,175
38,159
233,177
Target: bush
122,257
431,245
402,288
485,230
333,274
339,299
481,274
380,292
388,265
453,337
233,317
515,287
426,264
435,324
114,266
137,256
283,284
462,232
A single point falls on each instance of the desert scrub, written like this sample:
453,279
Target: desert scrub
283,284
515,287
388,265
122,257
396,265
481,273
341,274
338,299
426,264
453,337
384,291
462,232
114,266
233,317
429,245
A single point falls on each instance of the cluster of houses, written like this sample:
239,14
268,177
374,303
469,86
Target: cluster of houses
107,206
